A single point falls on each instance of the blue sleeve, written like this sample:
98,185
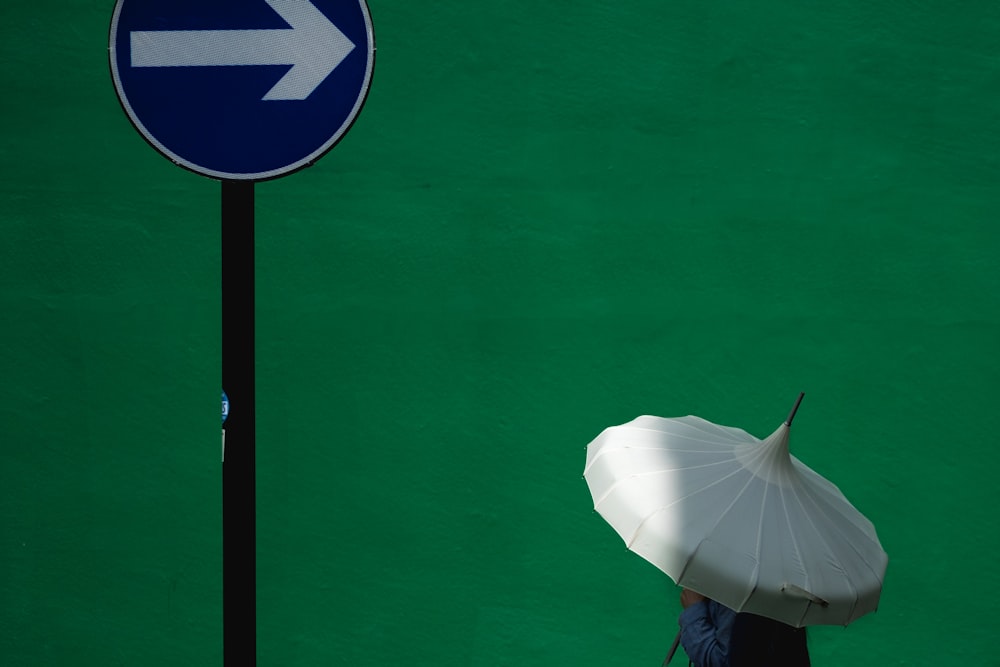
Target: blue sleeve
706,639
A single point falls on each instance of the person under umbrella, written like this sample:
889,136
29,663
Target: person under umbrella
741,521
759,640
706,630
714,635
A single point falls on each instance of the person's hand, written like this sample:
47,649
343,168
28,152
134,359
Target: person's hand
689,597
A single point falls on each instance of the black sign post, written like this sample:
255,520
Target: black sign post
239,503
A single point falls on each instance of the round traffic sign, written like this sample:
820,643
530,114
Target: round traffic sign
242,89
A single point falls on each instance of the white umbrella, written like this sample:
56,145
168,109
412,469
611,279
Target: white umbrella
737,519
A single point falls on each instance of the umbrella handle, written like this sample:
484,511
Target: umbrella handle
673,649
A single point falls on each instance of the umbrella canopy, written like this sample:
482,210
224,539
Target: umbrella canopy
737,519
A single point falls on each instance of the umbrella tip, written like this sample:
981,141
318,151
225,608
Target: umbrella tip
791,415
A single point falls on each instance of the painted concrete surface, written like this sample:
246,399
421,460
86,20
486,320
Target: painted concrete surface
548,219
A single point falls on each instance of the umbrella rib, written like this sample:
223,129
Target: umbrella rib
850,544
711,428
633,476
758,457
760,542
831,495
763,502
638,528
605,449
724,513
822,508
648,448
641,448
792,536
788,480
710,439
826,543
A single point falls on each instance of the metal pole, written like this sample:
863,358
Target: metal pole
239,543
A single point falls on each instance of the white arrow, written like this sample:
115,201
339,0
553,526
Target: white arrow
313,47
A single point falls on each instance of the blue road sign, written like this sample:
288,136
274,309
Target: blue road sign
242,89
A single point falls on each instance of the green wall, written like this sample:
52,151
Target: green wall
549,218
